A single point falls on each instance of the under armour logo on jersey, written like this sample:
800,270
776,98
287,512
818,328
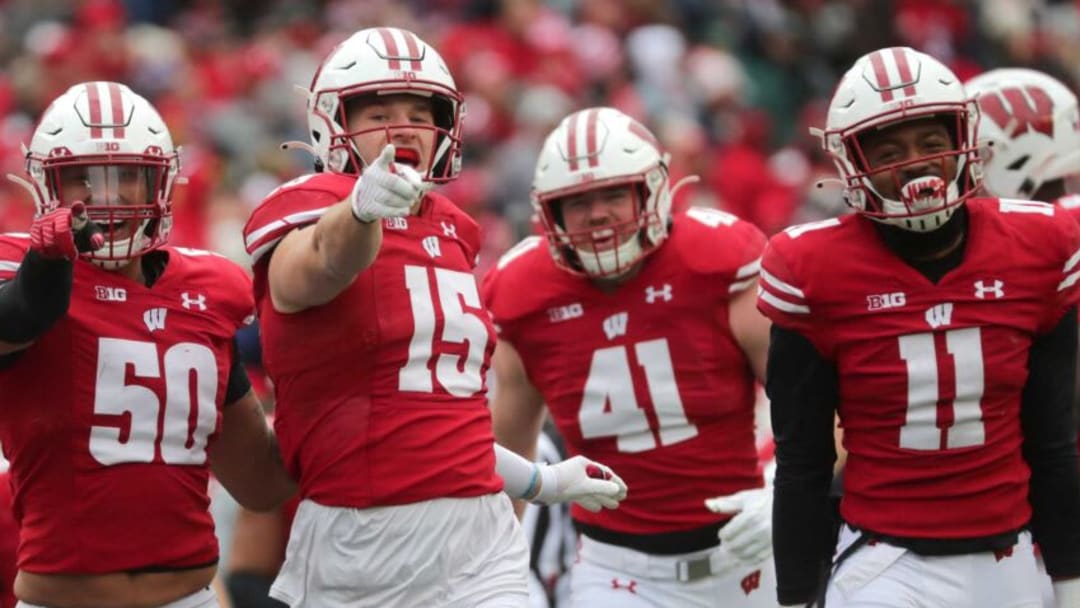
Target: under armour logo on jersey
189,302
751,582
997,289
631,586
431,245
154,319
652,294
615,325
396,223
939,315
110,294
449,230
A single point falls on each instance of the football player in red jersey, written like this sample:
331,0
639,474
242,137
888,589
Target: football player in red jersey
1029,132
117,366
377,342
942,329
640,333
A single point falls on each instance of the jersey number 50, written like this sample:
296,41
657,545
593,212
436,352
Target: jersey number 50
191,377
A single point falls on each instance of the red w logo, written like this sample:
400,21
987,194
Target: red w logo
751,582
1024,116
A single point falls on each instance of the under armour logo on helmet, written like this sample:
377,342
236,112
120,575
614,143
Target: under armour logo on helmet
188,302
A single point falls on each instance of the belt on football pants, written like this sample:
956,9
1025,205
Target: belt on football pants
682,568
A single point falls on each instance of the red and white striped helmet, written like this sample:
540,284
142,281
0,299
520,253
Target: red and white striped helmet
383,61
890,86
593,149
100,133
1030,129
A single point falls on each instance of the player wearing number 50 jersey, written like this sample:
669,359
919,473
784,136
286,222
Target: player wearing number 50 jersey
377,342
121,389
639,332
942,329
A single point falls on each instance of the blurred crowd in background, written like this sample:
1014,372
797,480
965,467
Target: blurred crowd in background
729,86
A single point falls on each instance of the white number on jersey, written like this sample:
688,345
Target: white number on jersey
920,430
609,407
1012,205
711,217
191,379
452,289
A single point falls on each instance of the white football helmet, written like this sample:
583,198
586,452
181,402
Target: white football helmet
1029,130
111,147
590,150
382,61
890,86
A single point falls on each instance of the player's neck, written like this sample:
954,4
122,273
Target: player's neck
611,284
931,253
1050,191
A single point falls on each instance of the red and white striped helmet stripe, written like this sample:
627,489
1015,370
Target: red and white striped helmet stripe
97,102
590,136
892,71
393,48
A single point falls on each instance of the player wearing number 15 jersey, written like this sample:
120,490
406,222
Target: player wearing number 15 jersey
639,332
942,329
120,384
377,342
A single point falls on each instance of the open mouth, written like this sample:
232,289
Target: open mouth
603,239
407,156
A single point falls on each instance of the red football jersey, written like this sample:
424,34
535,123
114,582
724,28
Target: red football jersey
648,380
381,395
106,418
930,375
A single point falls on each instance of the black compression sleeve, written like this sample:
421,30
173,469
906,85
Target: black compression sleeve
1046,418
251,590
803,389
239,383
35,299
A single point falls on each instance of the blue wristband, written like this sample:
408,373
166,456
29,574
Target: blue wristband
532,482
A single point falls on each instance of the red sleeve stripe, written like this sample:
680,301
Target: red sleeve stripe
777,303
11,267
261,240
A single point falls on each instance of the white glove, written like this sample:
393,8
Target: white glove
578,479
1067,593
747,535
386,189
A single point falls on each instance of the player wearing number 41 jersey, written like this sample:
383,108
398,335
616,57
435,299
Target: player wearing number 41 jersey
377,342
942,329
639,332
121,389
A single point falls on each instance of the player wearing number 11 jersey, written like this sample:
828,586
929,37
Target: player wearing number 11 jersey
942,329
377,342
120,385
639,332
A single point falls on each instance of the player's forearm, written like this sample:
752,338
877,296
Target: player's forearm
345,246
803,391
521,476
1050,447
34,300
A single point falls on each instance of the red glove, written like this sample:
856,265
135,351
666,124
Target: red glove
53,235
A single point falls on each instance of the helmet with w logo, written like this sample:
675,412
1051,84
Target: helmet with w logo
383,61
104,145
592,150
1030,130
887,87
